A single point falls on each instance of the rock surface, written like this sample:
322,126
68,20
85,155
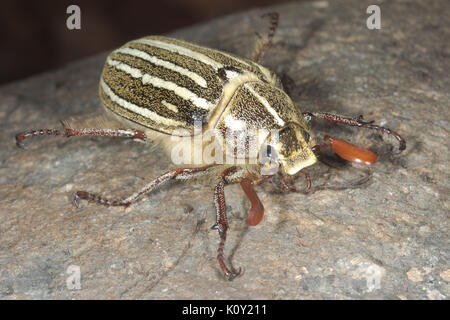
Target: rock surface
385,239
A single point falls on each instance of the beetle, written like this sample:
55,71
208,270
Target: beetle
158,87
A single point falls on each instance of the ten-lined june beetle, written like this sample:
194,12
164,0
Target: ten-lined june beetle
171,92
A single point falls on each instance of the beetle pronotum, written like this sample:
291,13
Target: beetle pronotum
157,87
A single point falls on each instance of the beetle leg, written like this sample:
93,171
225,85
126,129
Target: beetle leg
288,83
230,175
34,133
69,132
294,189
263,45
261,179
222,226
355,122
180,174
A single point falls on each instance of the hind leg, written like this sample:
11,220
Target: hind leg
180,174
263,44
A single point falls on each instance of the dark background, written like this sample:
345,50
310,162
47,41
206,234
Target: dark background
34,36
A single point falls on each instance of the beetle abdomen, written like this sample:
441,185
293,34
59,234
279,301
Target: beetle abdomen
166,84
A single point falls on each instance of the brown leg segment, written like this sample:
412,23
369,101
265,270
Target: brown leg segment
69,132
288,84
355,122
263,45
230,175
222,226
294,189
261,179
181,174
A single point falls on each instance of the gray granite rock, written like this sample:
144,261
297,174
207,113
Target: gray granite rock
385,239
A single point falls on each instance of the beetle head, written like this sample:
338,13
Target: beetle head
289,147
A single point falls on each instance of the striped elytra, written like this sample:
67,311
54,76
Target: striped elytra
166,84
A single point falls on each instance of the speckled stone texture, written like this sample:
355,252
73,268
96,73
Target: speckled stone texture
385,239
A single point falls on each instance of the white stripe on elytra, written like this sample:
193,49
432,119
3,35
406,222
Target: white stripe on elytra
261,68
181,50
266,104
160,83
229,56
166,64
146,113
169,106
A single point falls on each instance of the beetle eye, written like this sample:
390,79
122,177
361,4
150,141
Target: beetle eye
306,135
268,160
269,151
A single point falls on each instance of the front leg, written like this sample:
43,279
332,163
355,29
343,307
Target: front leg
355,122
